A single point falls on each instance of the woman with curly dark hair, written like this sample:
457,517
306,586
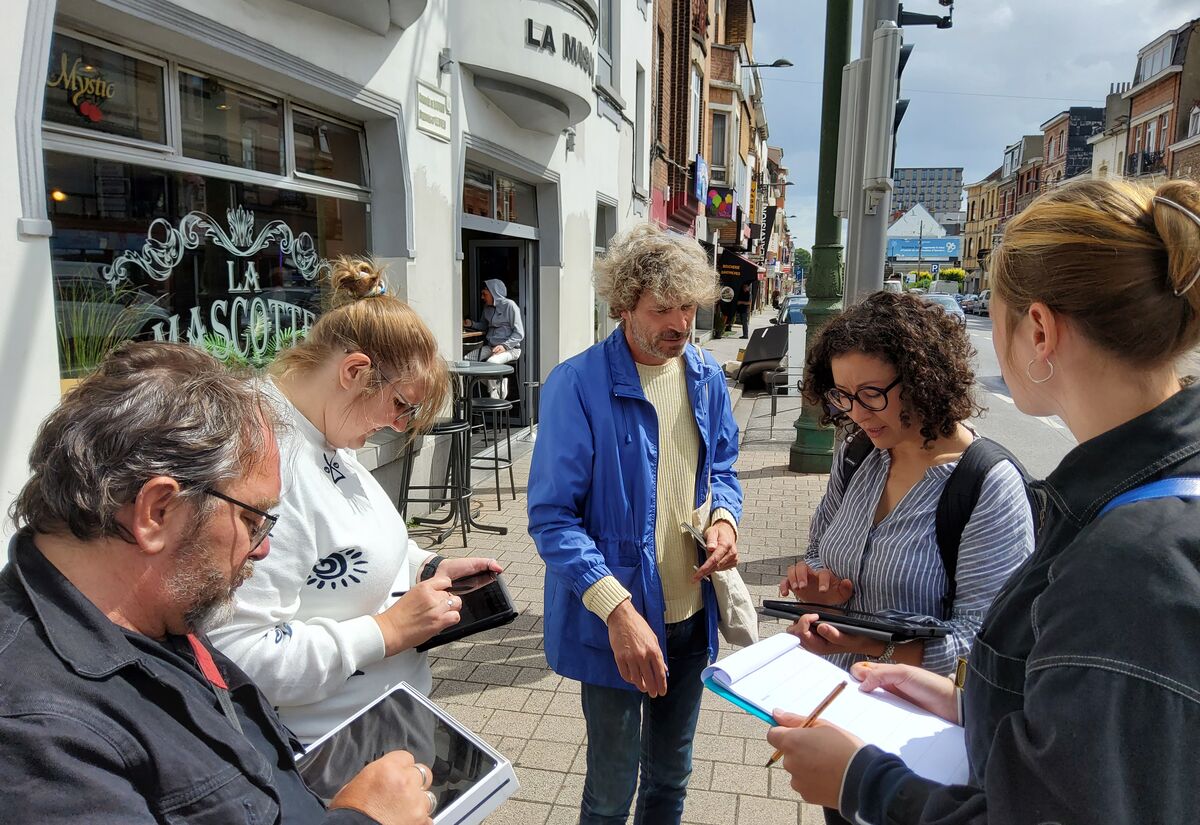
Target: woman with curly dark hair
896,370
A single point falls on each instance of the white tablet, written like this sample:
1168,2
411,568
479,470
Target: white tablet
470,779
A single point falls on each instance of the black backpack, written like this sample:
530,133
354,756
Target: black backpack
958,498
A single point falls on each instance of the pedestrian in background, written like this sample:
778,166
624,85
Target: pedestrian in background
503,332
333,617
637,438
1082,701
897,371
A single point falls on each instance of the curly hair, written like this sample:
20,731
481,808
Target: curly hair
645,258
929,349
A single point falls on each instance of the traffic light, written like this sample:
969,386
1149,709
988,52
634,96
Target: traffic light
901,102
886,50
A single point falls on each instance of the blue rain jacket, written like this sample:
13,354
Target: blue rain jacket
592,496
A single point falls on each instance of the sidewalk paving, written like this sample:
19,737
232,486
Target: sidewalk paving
499,683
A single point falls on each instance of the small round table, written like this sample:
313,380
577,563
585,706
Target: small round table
466,375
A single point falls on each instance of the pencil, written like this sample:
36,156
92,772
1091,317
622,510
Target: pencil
812,717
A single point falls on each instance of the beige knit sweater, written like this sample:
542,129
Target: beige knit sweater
665,387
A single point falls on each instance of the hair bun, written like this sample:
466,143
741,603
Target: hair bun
353,278
1176,213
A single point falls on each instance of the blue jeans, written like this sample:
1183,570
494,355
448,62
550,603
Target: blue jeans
627,728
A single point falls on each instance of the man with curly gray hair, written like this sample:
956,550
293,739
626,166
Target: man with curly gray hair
637,443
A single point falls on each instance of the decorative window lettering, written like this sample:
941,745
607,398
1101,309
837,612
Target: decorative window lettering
97,89
165,245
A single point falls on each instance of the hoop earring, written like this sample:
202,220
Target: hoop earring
1049,375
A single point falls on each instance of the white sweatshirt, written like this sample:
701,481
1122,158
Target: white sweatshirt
302,626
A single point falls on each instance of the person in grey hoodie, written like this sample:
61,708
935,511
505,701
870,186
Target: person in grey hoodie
503,329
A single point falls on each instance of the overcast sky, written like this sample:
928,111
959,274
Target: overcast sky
999,73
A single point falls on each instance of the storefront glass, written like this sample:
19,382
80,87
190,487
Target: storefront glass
104,91
491,195
327,149
226,125
151,254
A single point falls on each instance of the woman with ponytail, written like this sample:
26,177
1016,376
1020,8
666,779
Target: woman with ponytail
1082,696
332,617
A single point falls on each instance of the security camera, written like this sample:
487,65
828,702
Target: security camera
945,2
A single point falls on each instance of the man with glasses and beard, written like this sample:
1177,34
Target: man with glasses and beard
637,438
149,502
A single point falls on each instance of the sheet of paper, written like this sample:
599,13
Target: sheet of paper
780,674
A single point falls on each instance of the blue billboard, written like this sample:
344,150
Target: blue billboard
933,249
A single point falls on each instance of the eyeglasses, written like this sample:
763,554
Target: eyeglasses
262,529
404,408
874,399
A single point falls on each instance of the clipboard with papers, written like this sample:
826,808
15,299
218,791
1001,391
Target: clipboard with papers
778,673
470,778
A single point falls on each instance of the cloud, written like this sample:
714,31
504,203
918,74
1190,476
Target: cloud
1001,71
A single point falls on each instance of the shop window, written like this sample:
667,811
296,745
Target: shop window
477,192
327,148
604,66
104,91
223,124
718,165
516,202
150,254
491,195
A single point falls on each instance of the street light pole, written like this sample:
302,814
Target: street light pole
812,451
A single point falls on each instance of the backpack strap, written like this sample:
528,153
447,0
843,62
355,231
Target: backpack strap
858,447
958,500
1177,487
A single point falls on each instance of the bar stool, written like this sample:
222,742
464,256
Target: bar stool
495,407
456,490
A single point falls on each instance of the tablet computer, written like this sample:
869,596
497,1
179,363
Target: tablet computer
470,779
486,604
891,626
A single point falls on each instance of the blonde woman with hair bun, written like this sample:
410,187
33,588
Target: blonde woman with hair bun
1081,700
332,617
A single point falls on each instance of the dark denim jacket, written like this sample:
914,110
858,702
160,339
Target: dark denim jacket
1082,704
94,730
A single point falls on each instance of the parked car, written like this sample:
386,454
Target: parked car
985,300
949,305
970,303
791,310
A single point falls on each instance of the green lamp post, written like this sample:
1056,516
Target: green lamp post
812,451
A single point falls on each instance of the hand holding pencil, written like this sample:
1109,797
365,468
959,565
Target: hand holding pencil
815,754
812,717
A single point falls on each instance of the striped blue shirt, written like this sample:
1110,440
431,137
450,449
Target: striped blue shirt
895,565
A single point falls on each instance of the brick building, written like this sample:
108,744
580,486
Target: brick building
1166,85
1065,141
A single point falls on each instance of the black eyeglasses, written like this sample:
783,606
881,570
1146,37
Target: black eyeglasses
404,408
264,527
874,399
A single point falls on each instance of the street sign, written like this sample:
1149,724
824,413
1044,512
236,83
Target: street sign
911,249
934,269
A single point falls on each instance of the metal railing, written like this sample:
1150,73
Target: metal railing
1146,163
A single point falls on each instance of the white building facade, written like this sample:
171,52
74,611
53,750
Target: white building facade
186,171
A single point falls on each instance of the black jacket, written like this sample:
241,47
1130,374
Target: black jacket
99,725
1082,703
